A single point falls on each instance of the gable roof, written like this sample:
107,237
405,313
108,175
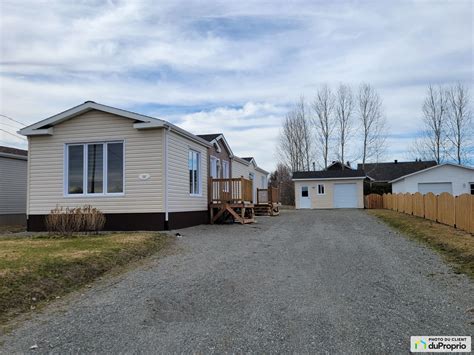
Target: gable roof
46,126
250,160
15,153
395,169
329,174
210,137
337,165
432,168
213,138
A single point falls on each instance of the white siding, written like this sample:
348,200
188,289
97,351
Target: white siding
239,169
143,154
13,173
459,177
178,175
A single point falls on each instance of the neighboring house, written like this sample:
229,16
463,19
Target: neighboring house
143,173
248,168
452,178
219,156
329,189
385,172
13,183
380,174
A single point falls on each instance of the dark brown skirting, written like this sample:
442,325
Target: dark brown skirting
177,220
136,221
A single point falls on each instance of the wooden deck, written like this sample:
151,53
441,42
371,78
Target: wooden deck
231,200
268,202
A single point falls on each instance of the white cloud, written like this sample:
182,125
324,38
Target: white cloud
222,54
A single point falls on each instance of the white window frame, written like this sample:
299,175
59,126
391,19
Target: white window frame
471,188
199,173
225,171
84,170
324,189
216,160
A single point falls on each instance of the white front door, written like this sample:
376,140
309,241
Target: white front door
305,200
345,195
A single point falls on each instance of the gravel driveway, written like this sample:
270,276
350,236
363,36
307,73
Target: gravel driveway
306,281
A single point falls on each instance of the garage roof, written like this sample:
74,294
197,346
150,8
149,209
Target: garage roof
329,174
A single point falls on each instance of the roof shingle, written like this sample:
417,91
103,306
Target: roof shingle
329,174
393,170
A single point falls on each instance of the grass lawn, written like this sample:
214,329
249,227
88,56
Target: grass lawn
38,269
456,246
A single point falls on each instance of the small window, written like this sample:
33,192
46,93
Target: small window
304,191
320,189
472,188
194,172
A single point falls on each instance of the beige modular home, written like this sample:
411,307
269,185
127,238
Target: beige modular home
143,173
248,168
329,189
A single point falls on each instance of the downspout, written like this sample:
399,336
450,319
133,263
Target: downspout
167,129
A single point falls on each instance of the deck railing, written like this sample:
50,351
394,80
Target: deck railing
270,195
233,190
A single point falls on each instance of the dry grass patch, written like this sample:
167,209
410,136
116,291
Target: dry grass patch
38,269
455,245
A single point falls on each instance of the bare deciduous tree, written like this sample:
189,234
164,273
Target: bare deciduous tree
295,144
372,121
459,121
281,178
323,107
344,108
435,113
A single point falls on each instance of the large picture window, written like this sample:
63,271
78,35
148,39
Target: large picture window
194,172
94,168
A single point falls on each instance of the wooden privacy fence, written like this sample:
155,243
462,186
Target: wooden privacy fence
444,208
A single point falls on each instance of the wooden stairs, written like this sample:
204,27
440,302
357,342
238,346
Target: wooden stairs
267,209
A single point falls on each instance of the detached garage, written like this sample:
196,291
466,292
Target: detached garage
329,189
451,178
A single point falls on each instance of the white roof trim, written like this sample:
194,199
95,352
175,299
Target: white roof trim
144,122
222,138
333,178
430,168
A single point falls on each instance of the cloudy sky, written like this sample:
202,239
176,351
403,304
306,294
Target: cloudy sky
232,66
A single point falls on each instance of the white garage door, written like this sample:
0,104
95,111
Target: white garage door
435,187
345,195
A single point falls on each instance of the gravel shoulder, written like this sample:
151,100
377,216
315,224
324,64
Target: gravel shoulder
306,281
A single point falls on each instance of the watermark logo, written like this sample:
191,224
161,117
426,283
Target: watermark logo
440,344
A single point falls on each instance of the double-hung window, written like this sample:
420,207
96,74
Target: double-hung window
472,188
320,189
194,165
225,169
94,169
214,167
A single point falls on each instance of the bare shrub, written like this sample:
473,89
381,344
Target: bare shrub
66,221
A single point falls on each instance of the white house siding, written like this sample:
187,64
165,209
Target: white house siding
326,200
239,169
13,182
458,176
143,155
179,198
